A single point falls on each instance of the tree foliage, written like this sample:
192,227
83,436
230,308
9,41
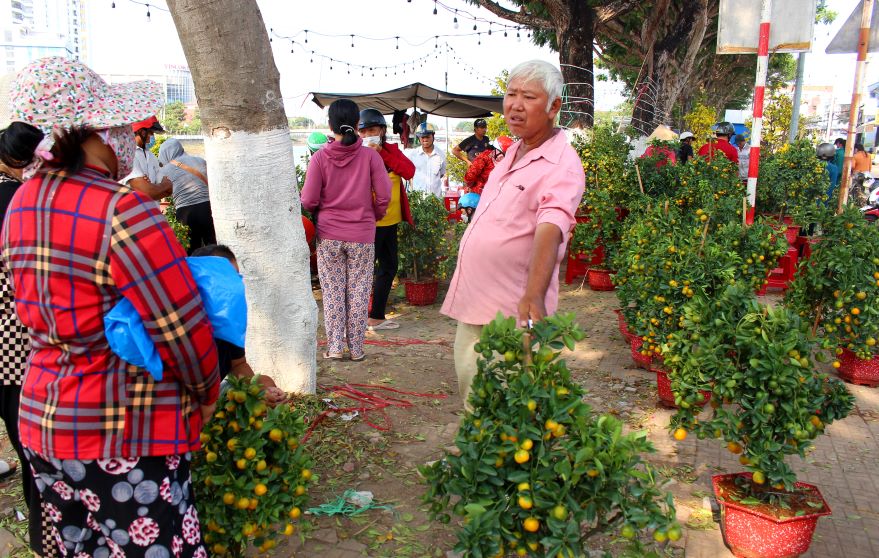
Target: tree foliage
300,122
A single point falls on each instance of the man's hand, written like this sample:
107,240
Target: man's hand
531,307
164,188
207,411
273,394
155,191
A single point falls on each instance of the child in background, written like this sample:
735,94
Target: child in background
232,358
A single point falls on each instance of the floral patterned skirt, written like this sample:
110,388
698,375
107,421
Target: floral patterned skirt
121,507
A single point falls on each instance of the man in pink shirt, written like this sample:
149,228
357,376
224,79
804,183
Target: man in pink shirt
509,256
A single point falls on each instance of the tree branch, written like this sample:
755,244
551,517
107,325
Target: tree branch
517,17
618,66
614,9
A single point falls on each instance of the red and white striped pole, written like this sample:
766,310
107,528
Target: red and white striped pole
863,45
759,93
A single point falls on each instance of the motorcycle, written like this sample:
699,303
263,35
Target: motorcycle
871,191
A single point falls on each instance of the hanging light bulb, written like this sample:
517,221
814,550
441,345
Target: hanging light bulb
505,32
435,39
113,5
474,27
398,42
306,36
479,35
489,28
352,41
148,13
455,20
434,7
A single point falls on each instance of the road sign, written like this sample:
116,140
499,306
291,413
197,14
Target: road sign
738,31
846,41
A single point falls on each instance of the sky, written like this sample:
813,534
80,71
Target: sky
469,65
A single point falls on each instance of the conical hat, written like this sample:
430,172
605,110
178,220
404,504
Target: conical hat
662,133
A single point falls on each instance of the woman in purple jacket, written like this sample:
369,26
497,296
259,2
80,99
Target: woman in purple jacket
349,189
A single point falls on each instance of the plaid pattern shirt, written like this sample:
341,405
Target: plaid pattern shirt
74,246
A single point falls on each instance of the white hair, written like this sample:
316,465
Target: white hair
548,76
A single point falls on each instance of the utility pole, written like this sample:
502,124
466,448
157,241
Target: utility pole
798,95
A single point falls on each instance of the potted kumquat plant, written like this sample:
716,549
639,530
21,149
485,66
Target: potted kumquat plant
768,401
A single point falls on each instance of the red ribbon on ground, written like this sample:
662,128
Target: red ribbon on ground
370,401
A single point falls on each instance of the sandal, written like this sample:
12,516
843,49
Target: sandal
358,358
387,324
333,356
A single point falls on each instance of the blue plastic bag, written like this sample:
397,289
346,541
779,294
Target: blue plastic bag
222,292
129,339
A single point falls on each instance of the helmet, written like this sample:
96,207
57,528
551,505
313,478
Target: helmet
469,200
315,141
825,151
724,129
423,130
686,135
371,117
502,143
151,124
480,123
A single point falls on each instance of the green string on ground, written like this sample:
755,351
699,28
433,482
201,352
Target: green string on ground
341,506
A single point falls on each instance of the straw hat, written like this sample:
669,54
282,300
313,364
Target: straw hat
662,133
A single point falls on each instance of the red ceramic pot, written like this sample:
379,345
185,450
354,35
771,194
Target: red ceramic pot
623,326
421,293
599,279
750,533
857,371
663,387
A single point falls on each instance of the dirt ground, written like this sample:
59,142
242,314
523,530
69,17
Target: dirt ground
418,358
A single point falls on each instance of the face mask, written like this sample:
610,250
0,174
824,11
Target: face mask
465,218
150,144
121,141
375,140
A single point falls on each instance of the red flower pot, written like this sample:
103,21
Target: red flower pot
791,233
599,279
641,361
663,387
421,293
857,371
623,326
751,533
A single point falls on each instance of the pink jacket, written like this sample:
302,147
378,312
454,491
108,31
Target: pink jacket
350,188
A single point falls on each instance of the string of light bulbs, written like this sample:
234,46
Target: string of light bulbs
396,38
148,6
389,68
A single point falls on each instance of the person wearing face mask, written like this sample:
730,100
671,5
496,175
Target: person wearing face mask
18,142
373,131
106,441
145,177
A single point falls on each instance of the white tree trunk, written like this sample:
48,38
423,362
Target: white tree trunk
256,213
252,177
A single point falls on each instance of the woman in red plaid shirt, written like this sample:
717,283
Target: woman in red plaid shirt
110,446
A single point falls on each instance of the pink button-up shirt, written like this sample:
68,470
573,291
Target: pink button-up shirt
545,186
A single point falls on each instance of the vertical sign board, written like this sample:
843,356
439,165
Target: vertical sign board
760,27
738,28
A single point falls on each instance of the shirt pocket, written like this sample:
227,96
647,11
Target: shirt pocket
510,202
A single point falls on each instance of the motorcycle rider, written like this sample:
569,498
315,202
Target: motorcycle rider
826,152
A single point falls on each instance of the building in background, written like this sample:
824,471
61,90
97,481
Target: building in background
31,29
176,81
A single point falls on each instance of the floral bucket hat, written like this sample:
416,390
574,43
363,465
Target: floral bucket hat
57,93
